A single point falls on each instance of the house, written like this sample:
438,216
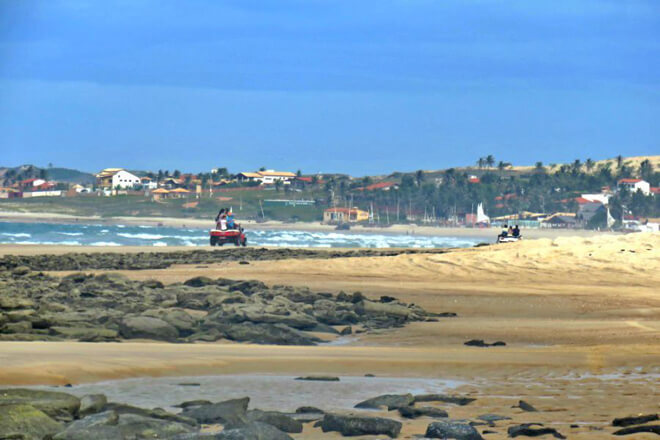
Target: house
170,182
599,197
634,185
383,186
267,177
9,193
587,209
148,183
561,220
160,193
178,193
473,179
344,215
114,178
30,183
655,190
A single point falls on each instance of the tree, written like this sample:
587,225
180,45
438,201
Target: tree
278,185
481,162
262,169
490,160
43,174
298,173
501,166
646,170
576,166
589,164
315,179
619,161
419,177
539,167
176,174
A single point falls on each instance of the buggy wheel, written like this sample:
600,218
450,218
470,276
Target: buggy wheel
237,242
213,240
244,242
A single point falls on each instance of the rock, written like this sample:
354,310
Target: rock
528,430
309,410
13,302
178,318
526,406
635,420
85,334
156,413
144,327
359,425
388,309
279,420
492,418
230,412
481,343
654,429
59,406
411,412
20,271
101,426
199,282
278,334
452,430
17,327
456,400
391,401
25,422
346,331
92,404
189,384
253,431
135,426
191,403
152,284
319,378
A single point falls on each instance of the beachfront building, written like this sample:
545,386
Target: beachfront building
148,183
344,215
113,178
9,193
634,185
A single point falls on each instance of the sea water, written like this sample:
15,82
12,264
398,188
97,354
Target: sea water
127,235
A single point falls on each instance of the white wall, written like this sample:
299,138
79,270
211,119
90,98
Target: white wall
124,179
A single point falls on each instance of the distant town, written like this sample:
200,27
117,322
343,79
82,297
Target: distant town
620,193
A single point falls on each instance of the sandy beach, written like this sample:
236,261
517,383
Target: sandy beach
580,317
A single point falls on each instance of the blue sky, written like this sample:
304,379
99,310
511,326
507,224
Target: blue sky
364,87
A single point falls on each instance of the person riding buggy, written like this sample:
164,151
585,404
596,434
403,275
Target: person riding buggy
227,230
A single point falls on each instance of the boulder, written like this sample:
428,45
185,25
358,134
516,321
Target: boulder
135,426
230,412
157,413
635,420
199,282
319,378
85,334
178,318
278,334
492,418
452,430
92,404
191,403
526,406
456,400
20,271
279,420
528,430
17,327
101,426
390,401
25,422
651,429
309,410
411,412
253,431
359,425
144,327
59,406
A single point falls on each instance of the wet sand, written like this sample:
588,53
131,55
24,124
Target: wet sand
581,319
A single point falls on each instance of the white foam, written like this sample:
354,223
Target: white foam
17,234
71,234
142,236
105,243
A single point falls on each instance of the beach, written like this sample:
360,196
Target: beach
579,315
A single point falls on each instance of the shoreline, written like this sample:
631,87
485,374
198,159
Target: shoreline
398,229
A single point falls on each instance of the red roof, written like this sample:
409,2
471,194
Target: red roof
304,179
629,180
474,180
374,186
582,201
655,190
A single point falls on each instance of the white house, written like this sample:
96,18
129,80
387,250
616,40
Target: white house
634,185
268,177
117,178
148,183
599,197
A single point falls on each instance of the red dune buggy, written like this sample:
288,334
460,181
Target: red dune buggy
218,237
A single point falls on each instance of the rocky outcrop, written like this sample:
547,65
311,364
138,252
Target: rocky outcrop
92,404
145,327
281,421
59,406
230,412
349,425
253,431
456,400
389,401
452,430
411,412
24,421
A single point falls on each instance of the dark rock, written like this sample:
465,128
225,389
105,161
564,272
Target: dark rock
152,284
191,403
144,327
279,420
358,425
278,334
136,426
411,412
492,418
91,404
59,406
456,400
319,378
157,413
309,410
528,430
25,422
101,426
233,412
481,343
526,406
391,401
189,384
634,420
20,271
199,282
654,429
452,430
253,431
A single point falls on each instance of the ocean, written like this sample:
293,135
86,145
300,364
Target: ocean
129,235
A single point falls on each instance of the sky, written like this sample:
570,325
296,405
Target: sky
360,87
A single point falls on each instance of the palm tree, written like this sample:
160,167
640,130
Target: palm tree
646,169
539,167
576,166
589,164
481,162
619,161
490,160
